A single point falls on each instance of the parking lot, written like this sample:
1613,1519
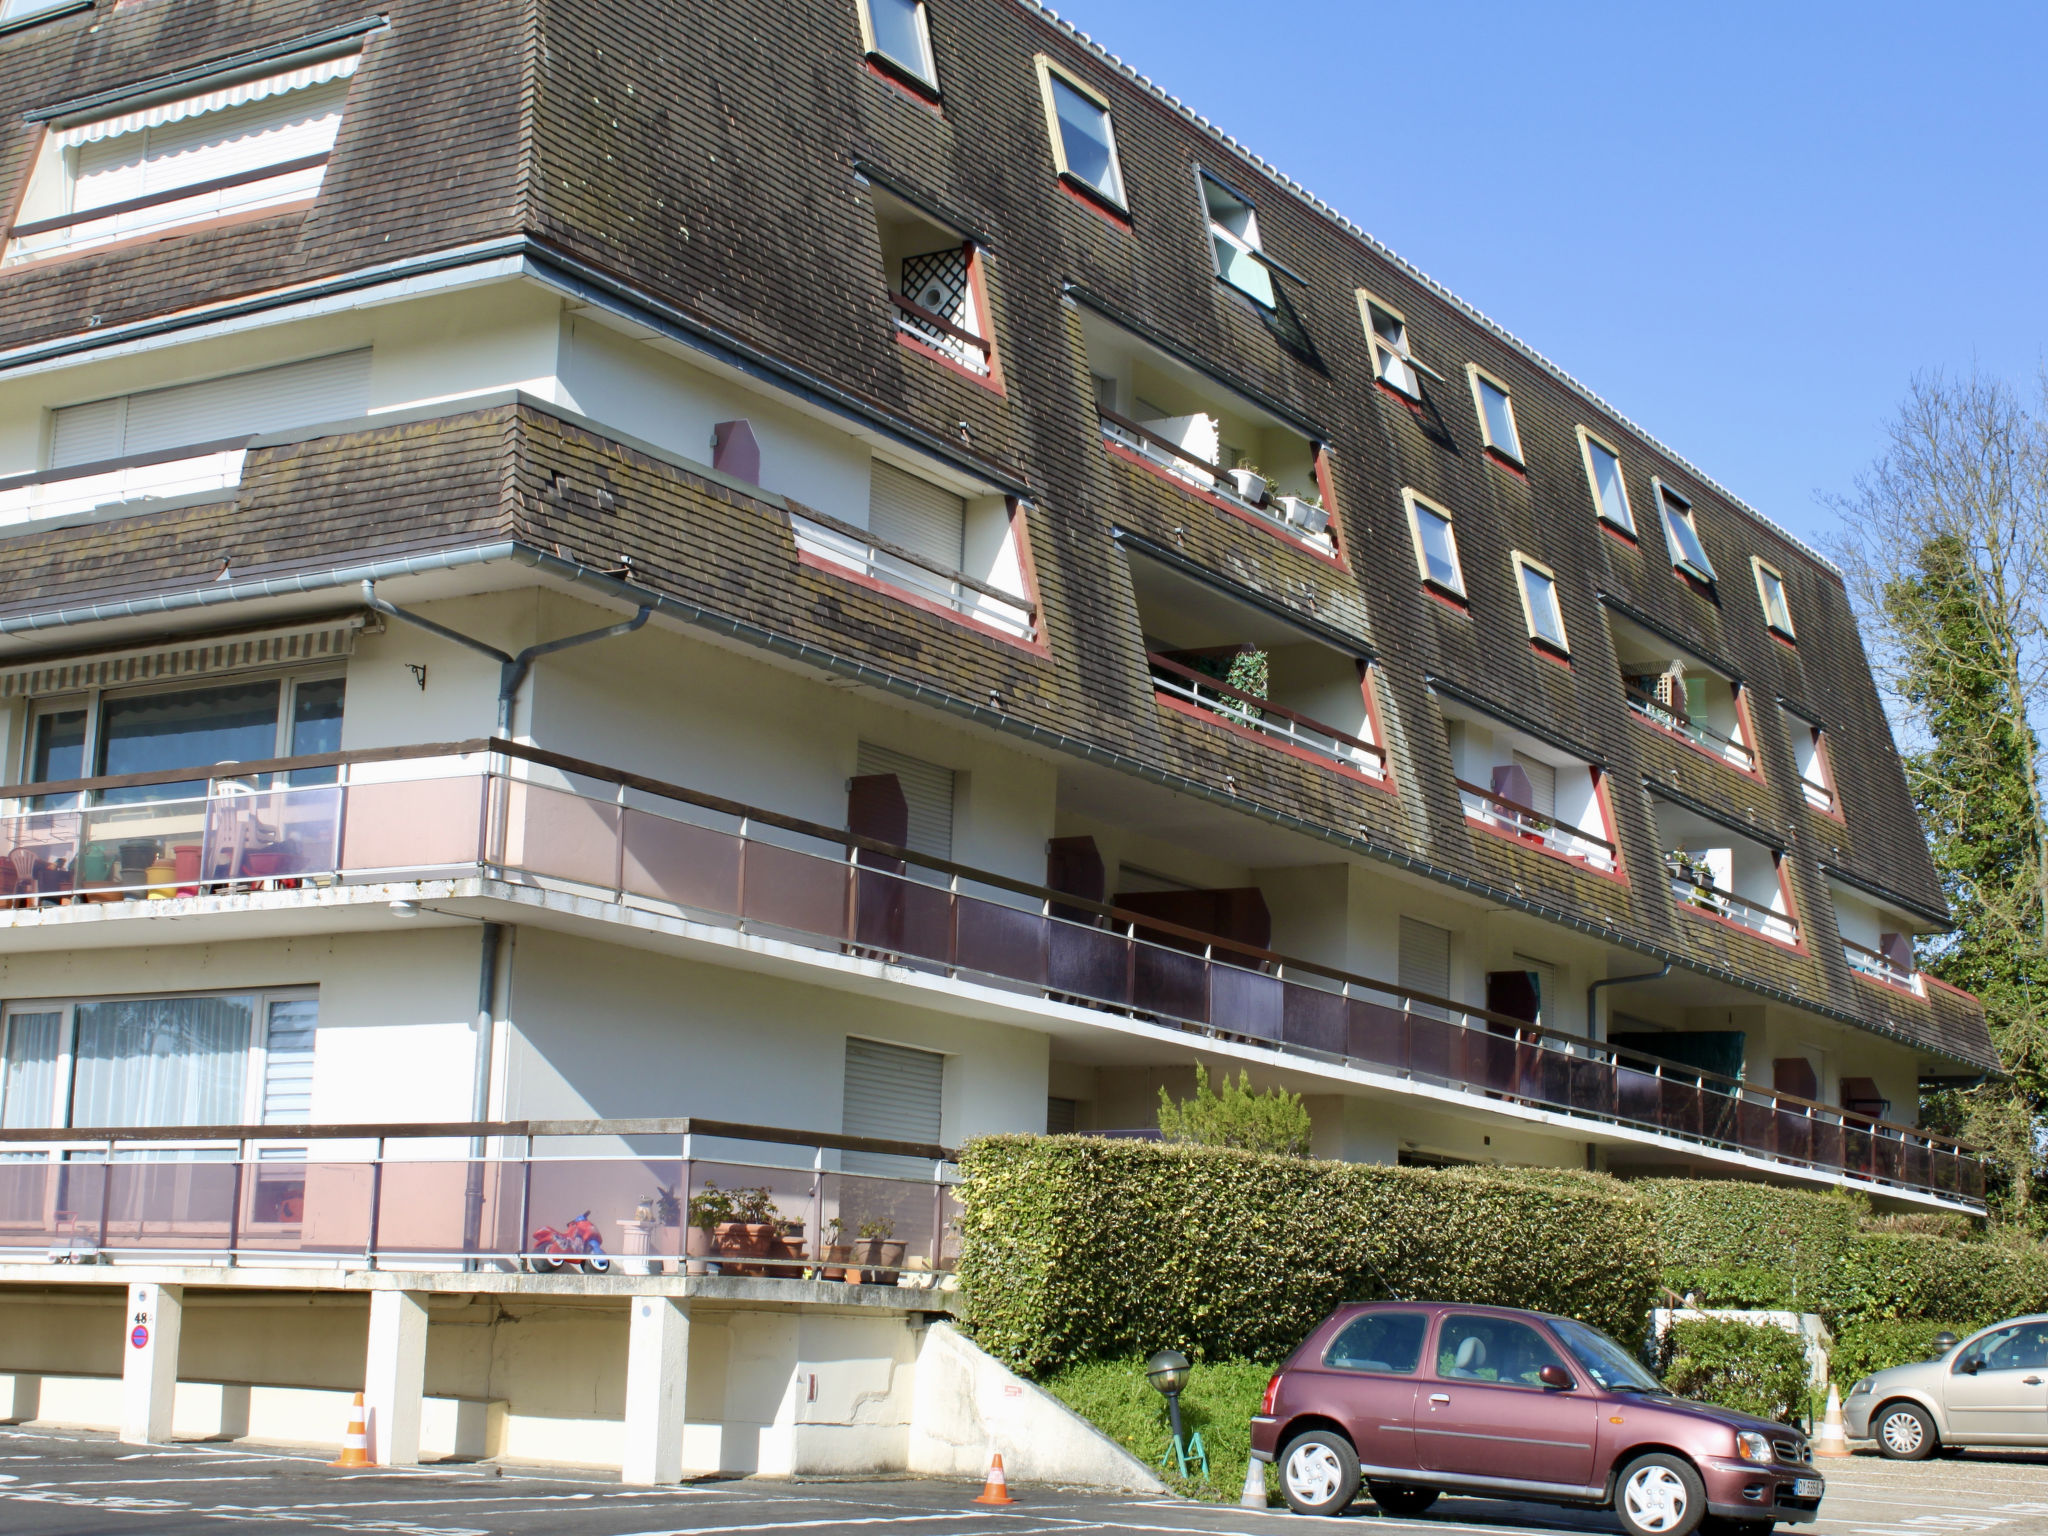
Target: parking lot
77,1484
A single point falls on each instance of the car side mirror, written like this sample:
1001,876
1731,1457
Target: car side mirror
1555,1376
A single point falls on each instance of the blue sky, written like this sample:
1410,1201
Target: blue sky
1745,225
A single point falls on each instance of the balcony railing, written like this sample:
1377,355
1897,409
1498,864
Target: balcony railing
288,181
638,1197
79,488
1483,805
656,847
1689,888
970,351
1878,965
1709,741
1308,521
1236,707
1817,794
857,550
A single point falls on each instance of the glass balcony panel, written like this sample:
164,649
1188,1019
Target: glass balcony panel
1756,1125
1248,1003
1942,1171
175,1205
1545,1075
1591,1085
1377,1034
1914,1169
1490,1060
1170,983
995,940
1972,1181
266,835
1638,1095
413,824
1856,1153
424,1208
1091,963
1891,1157
1827,1143
898,916
787,889
885,1225
1678,1107
1795,1135
676,861
560,835
30,1206
1718,1114
38,852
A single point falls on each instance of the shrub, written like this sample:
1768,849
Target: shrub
1878,1345
1751,1245
1218,1404
1754,1367
1895,1277
1273,1121
1080,1248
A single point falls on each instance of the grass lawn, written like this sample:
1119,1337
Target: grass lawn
1219,1402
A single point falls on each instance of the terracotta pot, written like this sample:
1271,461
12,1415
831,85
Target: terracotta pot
837,1254
698,1247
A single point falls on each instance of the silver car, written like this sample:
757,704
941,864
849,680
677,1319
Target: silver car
1991,1389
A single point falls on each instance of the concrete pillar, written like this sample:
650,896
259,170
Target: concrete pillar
149,1361
395,1378
657,1370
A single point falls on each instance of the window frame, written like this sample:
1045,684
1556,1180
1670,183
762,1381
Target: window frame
1381,348
1255,249
1524,564
1477,377
1588,441
1674,504
48,12
1761,568
926,79
1047,68
1414,502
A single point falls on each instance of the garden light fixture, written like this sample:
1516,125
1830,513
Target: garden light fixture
1168,1370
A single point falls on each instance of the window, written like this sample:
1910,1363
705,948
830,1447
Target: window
892,1093
21,10
1492,1349
1539,603
160,729
896,33
159,421
1682,536
1425,964
1234,240
1386,333
1436,544
2022,1347
1770,591
1810,756
1496,413
237,147
1379,1341
1083,141
1610,491
1190,427
1526,787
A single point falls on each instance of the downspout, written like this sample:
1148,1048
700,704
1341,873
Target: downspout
512,671
1593,991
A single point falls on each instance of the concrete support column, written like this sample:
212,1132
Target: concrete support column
395,1379
657,1370
149,1361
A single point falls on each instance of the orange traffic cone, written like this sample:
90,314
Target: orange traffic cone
996,1489
355,1449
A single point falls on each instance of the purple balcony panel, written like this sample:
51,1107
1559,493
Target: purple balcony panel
1434,1048
995,940
1591,1086
413,824
1315,1020
1170,982
1638,1095
1795,1135
1828,1143
1678,1107
1090,963
1756,1125
1376,1034
1248,1003
1490,1060
782,888
692,866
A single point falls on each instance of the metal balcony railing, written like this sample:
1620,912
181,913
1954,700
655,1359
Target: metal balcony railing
1688,887
1236,707
287,181
468,809
1817,794
1483,805
856,549
1709,741
1878,965
184,471
1175,461
970,351
673,1196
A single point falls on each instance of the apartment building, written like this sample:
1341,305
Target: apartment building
585,574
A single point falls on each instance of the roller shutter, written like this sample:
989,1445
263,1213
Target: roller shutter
333,388
916,515
895,1093
1425,963
927,790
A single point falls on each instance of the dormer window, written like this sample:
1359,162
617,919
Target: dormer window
1682,535
1436,545
895,34
1496,413
1770,591
1610,490
1234,239
235,149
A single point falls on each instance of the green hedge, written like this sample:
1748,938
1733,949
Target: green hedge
1879,1344
1077,1248
1755,1367
1897,1277
1734,1244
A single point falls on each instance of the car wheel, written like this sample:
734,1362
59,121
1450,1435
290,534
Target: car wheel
1660,1495
1400,1499
1904,1432
1319,1473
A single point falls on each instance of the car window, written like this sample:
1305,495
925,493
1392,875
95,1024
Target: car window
1379,1341
1604,1360
1492,1349
2022,1347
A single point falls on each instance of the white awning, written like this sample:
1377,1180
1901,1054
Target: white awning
211,101
303,645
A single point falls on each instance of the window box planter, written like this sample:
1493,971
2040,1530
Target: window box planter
1249,484
1305,515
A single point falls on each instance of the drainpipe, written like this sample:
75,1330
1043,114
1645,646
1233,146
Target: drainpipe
1592,992
480,1091
512,669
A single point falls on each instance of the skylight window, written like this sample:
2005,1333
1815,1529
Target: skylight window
1680,533
1610,490
1083,139
895,32
1539,603
1386,332
1496,413
21,10
1770,591
1436,544
1234,236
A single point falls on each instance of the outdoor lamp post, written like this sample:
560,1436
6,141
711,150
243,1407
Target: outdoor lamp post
1168,1372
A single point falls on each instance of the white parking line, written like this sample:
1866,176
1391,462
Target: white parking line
807,1525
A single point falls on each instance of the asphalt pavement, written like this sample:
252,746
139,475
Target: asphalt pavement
74,1483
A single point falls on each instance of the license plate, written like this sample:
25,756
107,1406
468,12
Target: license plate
1808,1488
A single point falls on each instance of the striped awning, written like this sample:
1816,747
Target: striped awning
333,640
216,100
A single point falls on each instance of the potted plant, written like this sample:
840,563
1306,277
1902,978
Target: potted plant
1306,512
711,1214
875,1246
837,1253
1248,481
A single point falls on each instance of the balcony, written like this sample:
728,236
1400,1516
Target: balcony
1492,810
1647,707
149,477
1879,966
934,330
1692,884
859,551
709,1198
1217,700
639,846
1299,516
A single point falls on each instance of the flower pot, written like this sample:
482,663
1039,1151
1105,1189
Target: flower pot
186,857
1249,484
837,1255
698,1246
1305,515
881,1253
